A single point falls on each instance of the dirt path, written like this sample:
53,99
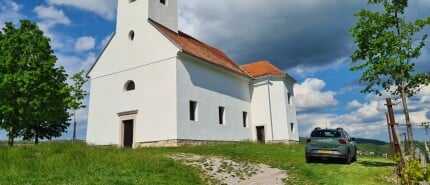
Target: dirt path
230,172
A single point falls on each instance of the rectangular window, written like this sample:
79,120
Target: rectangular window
193,110
245,119
292,127
221,115
289,98
163,2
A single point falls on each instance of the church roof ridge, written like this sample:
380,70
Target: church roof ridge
262,68
200,49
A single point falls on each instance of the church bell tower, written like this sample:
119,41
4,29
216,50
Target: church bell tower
134,13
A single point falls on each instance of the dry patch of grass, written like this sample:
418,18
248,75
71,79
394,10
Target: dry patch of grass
226,171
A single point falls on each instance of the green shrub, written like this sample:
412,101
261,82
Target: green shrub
413,173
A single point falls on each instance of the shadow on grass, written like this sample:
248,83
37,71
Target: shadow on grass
327,161
376,163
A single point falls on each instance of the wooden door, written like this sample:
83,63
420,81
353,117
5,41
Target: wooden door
128,134
260,134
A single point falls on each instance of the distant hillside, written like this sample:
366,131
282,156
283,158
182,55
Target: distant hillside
369,141
357,140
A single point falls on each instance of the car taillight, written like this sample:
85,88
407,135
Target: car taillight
342,141
308,140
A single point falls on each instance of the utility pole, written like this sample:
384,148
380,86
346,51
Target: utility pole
389,136
405,141
393,126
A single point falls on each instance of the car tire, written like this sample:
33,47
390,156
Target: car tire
348,158
354,158
308,160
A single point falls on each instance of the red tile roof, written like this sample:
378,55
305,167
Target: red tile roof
199,49
262,68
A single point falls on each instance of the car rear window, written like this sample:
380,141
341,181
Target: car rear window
325,133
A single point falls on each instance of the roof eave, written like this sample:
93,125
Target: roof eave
188,54
288,77
153,23
101,53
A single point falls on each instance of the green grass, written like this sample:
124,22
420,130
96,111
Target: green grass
64,163
79,164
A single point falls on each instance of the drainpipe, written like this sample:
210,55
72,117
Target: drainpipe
270,106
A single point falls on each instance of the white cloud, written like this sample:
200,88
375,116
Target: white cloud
425,95
368,112
367,120
104,8
9,12
74,64
50,17
85,43
362,130
309,95
354,104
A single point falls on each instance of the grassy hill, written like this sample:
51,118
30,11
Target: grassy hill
370,141
65,163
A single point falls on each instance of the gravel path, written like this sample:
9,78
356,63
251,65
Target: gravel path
229,172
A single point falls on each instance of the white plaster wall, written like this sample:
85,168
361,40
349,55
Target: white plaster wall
212,87
279,110
277,113
154,98
149,45
260,108
150,61
166,15
291,112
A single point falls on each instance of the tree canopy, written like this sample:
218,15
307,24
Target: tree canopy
389,45
34,94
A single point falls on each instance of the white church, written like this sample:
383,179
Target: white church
154,85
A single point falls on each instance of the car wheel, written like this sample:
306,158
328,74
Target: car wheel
348,158
308,160
354,158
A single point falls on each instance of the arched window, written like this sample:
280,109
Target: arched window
131,35
129,86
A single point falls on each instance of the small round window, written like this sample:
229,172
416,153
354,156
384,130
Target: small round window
130,86
131,35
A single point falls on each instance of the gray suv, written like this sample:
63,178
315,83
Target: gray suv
331,144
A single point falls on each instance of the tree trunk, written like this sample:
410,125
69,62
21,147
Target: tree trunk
407,119
36,139
74,127
11,136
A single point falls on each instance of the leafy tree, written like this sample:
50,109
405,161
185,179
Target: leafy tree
50,115
34,95
388,47
78,94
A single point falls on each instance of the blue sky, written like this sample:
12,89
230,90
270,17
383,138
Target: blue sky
308,39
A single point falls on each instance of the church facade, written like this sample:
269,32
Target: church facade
154,85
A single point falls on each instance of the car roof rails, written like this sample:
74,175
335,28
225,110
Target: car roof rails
339,128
